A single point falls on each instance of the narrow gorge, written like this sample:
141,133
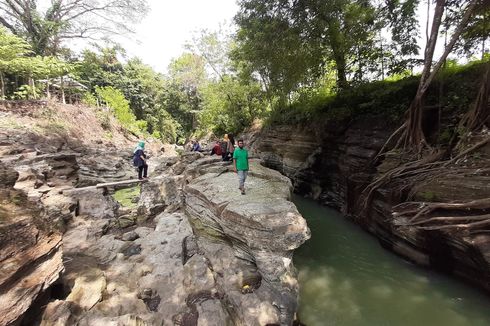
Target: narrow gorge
332,163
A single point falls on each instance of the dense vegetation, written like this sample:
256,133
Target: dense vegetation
288,61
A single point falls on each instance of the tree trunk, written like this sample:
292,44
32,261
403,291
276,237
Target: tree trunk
414,136
338,54
63,90
48,94
2,86
382,57
32,88
479,115
484,39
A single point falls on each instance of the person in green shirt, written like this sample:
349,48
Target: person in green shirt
240,163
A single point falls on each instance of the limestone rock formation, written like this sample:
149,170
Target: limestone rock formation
224,259
187,248
249,240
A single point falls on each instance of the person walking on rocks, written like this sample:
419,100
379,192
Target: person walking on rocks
240,163
139,160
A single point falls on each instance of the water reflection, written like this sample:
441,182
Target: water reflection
346,278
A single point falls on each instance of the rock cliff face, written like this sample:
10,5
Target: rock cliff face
332,165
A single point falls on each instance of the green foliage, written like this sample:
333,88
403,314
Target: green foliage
183,91
290,43
474,39
15,61
149,95
230,106
115,100
388,99
89,99
26,92
104,118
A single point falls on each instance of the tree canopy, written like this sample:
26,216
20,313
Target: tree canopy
63,20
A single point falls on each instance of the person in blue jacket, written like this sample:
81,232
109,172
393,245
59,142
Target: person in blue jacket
196,147
139,160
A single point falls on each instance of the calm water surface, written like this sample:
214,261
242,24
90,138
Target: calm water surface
346,278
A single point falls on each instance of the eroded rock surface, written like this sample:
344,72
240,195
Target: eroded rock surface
331,163
196,252
249,240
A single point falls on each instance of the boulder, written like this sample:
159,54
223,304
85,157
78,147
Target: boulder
257,234
158,193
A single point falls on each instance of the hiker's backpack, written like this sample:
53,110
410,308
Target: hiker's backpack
136,158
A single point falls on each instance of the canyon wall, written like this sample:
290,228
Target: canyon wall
332,163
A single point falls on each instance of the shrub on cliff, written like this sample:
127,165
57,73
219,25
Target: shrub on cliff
452,91
115,100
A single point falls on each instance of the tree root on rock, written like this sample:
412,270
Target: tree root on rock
474,215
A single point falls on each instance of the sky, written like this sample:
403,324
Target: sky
162,34
170,24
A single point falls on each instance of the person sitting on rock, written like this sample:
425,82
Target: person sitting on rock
139,160
240,160
216,149
196,147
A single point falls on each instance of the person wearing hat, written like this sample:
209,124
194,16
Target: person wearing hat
139,160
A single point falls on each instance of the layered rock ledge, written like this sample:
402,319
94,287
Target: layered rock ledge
184,248
248,239
331,162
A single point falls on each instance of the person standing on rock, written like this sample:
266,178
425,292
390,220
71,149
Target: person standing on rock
240,163
139,160
224,148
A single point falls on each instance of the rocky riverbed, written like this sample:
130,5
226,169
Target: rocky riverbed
183,248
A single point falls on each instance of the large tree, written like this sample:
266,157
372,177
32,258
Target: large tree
289,43
183,89
46,29
413,136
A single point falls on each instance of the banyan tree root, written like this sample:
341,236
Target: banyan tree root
416,171
473,215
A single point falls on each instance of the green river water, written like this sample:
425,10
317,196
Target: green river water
347,278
